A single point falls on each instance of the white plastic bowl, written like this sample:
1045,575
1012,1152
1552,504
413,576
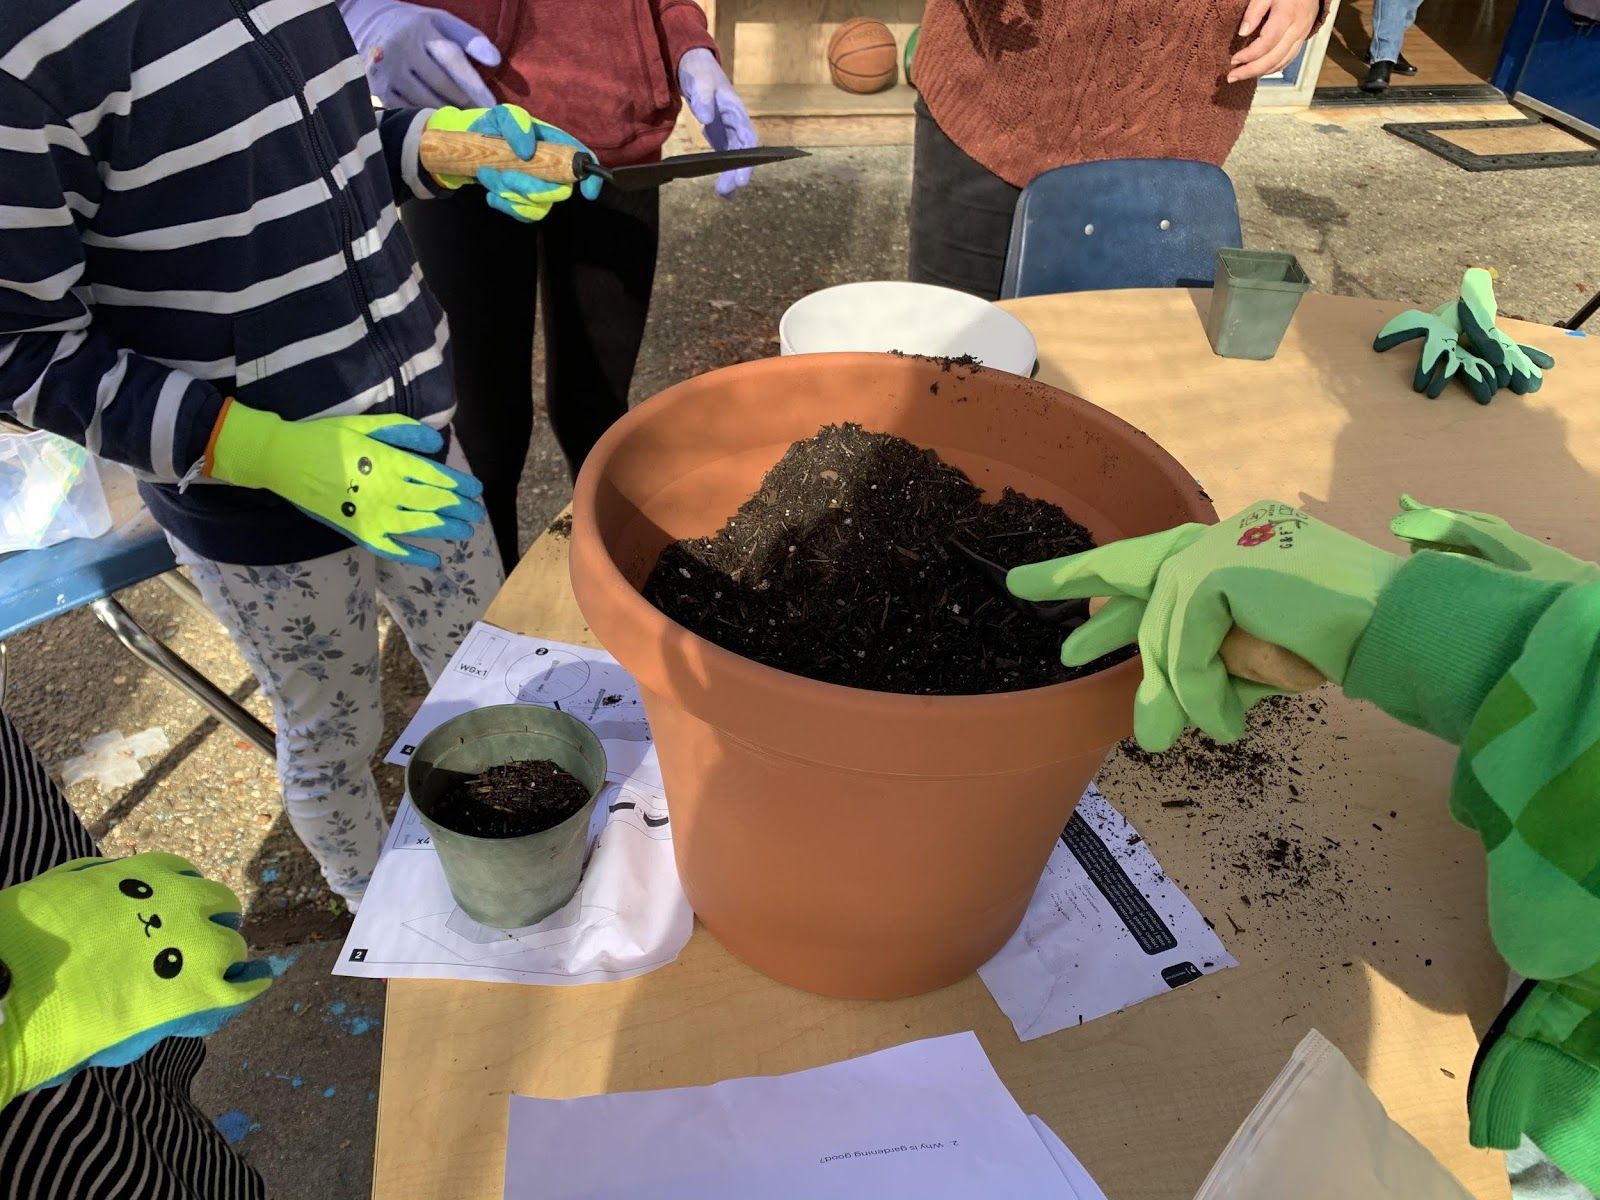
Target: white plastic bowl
914,318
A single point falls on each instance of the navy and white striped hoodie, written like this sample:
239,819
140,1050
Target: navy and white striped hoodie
197,200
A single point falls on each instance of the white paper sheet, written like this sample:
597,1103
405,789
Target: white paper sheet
1083,1186
630,914
929,1120
1106,928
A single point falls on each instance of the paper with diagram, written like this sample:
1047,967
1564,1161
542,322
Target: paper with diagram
1106,928
928,1120
630,914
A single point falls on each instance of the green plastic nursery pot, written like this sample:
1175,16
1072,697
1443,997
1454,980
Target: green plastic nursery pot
508,883
1253,301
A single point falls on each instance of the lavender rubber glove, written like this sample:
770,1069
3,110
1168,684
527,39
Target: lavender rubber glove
420,57
710,96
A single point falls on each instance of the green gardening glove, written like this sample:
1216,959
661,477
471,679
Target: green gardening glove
109,956
1487,537
525,197
1271,570
364,476
1522,367
1443,356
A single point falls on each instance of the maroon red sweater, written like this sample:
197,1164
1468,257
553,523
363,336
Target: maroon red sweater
1027,85
606,71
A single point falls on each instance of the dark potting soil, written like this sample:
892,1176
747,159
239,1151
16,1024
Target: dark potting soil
839,568
511,800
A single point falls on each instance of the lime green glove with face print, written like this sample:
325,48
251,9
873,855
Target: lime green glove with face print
365,476
109,956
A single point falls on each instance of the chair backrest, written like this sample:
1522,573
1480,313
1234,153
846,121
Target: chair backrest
1121,223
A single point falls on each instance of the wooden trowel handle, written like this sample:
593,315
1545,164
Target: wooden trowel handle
445,153
1248,657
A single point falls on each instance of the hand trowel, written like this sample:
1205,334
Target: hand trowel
445,153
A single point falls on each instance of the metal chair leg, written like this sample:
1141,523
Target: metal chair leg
1577,319
156,654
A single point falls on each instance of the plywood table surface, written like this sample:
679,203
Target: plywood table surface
1399,973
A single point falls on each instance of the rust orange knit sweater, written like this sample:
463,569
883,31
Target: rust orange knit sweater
1026,85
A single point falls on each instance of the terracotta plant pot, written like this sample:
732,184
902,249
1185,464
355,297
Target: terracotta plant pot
850,842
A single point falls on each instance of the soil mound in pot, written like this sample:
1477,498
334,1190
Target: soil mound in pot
510,800
839,568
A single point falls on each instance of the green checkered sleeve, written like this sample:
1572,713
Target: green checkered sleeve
1509,666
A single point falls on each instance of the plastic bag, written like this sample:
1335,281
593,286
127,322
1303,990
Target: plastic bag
49,491
1319,1133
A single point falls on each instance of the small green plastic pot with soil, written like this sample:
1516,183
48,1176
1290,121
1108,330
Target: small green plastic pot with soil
507,794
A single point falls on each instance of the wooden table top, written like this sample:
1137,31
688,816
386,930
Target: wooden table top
1398,972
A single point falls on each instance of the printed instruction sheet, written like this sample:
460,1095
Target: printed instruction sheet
928,1120
630,914
1106,928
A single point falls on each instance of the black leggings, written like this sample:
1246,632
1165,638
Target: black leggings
595,262
960,215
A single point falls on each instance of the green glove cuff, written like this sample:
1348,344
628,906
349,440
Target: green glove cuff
1446,629
1532,1077
241,444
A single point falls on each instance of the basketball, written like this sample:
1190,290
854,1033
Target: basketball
862,56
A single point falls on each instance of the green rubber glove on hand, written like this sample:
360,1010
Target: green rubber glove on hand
1520,367
1273,571
524,197
364,476
1443,356
1487,537
109,956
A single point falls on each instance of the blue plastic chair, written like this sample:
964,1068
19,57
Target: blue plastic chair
36,585
1122,223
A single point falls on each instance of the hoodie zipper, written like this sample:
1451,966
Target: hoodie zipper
341,197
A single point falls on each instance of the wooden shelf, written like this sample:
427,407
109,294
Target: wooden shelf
819,114
825,100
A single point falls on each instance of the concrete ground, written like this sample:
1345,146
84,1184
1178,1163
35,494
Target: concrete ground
293,1082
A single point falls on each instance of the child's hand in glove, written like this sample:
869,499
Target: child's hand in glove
109,956
364,476
516,193
1276,573
1487,537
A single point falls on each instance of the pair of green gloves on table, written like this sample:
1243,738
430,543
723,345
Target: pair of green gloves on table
1461,341
369,476
1498,656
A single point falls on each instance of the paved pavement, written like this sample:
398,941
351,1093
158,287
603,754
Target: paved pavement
293,1080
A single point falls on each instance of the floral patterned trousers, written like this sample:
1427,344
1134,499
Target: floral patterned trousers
309,631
